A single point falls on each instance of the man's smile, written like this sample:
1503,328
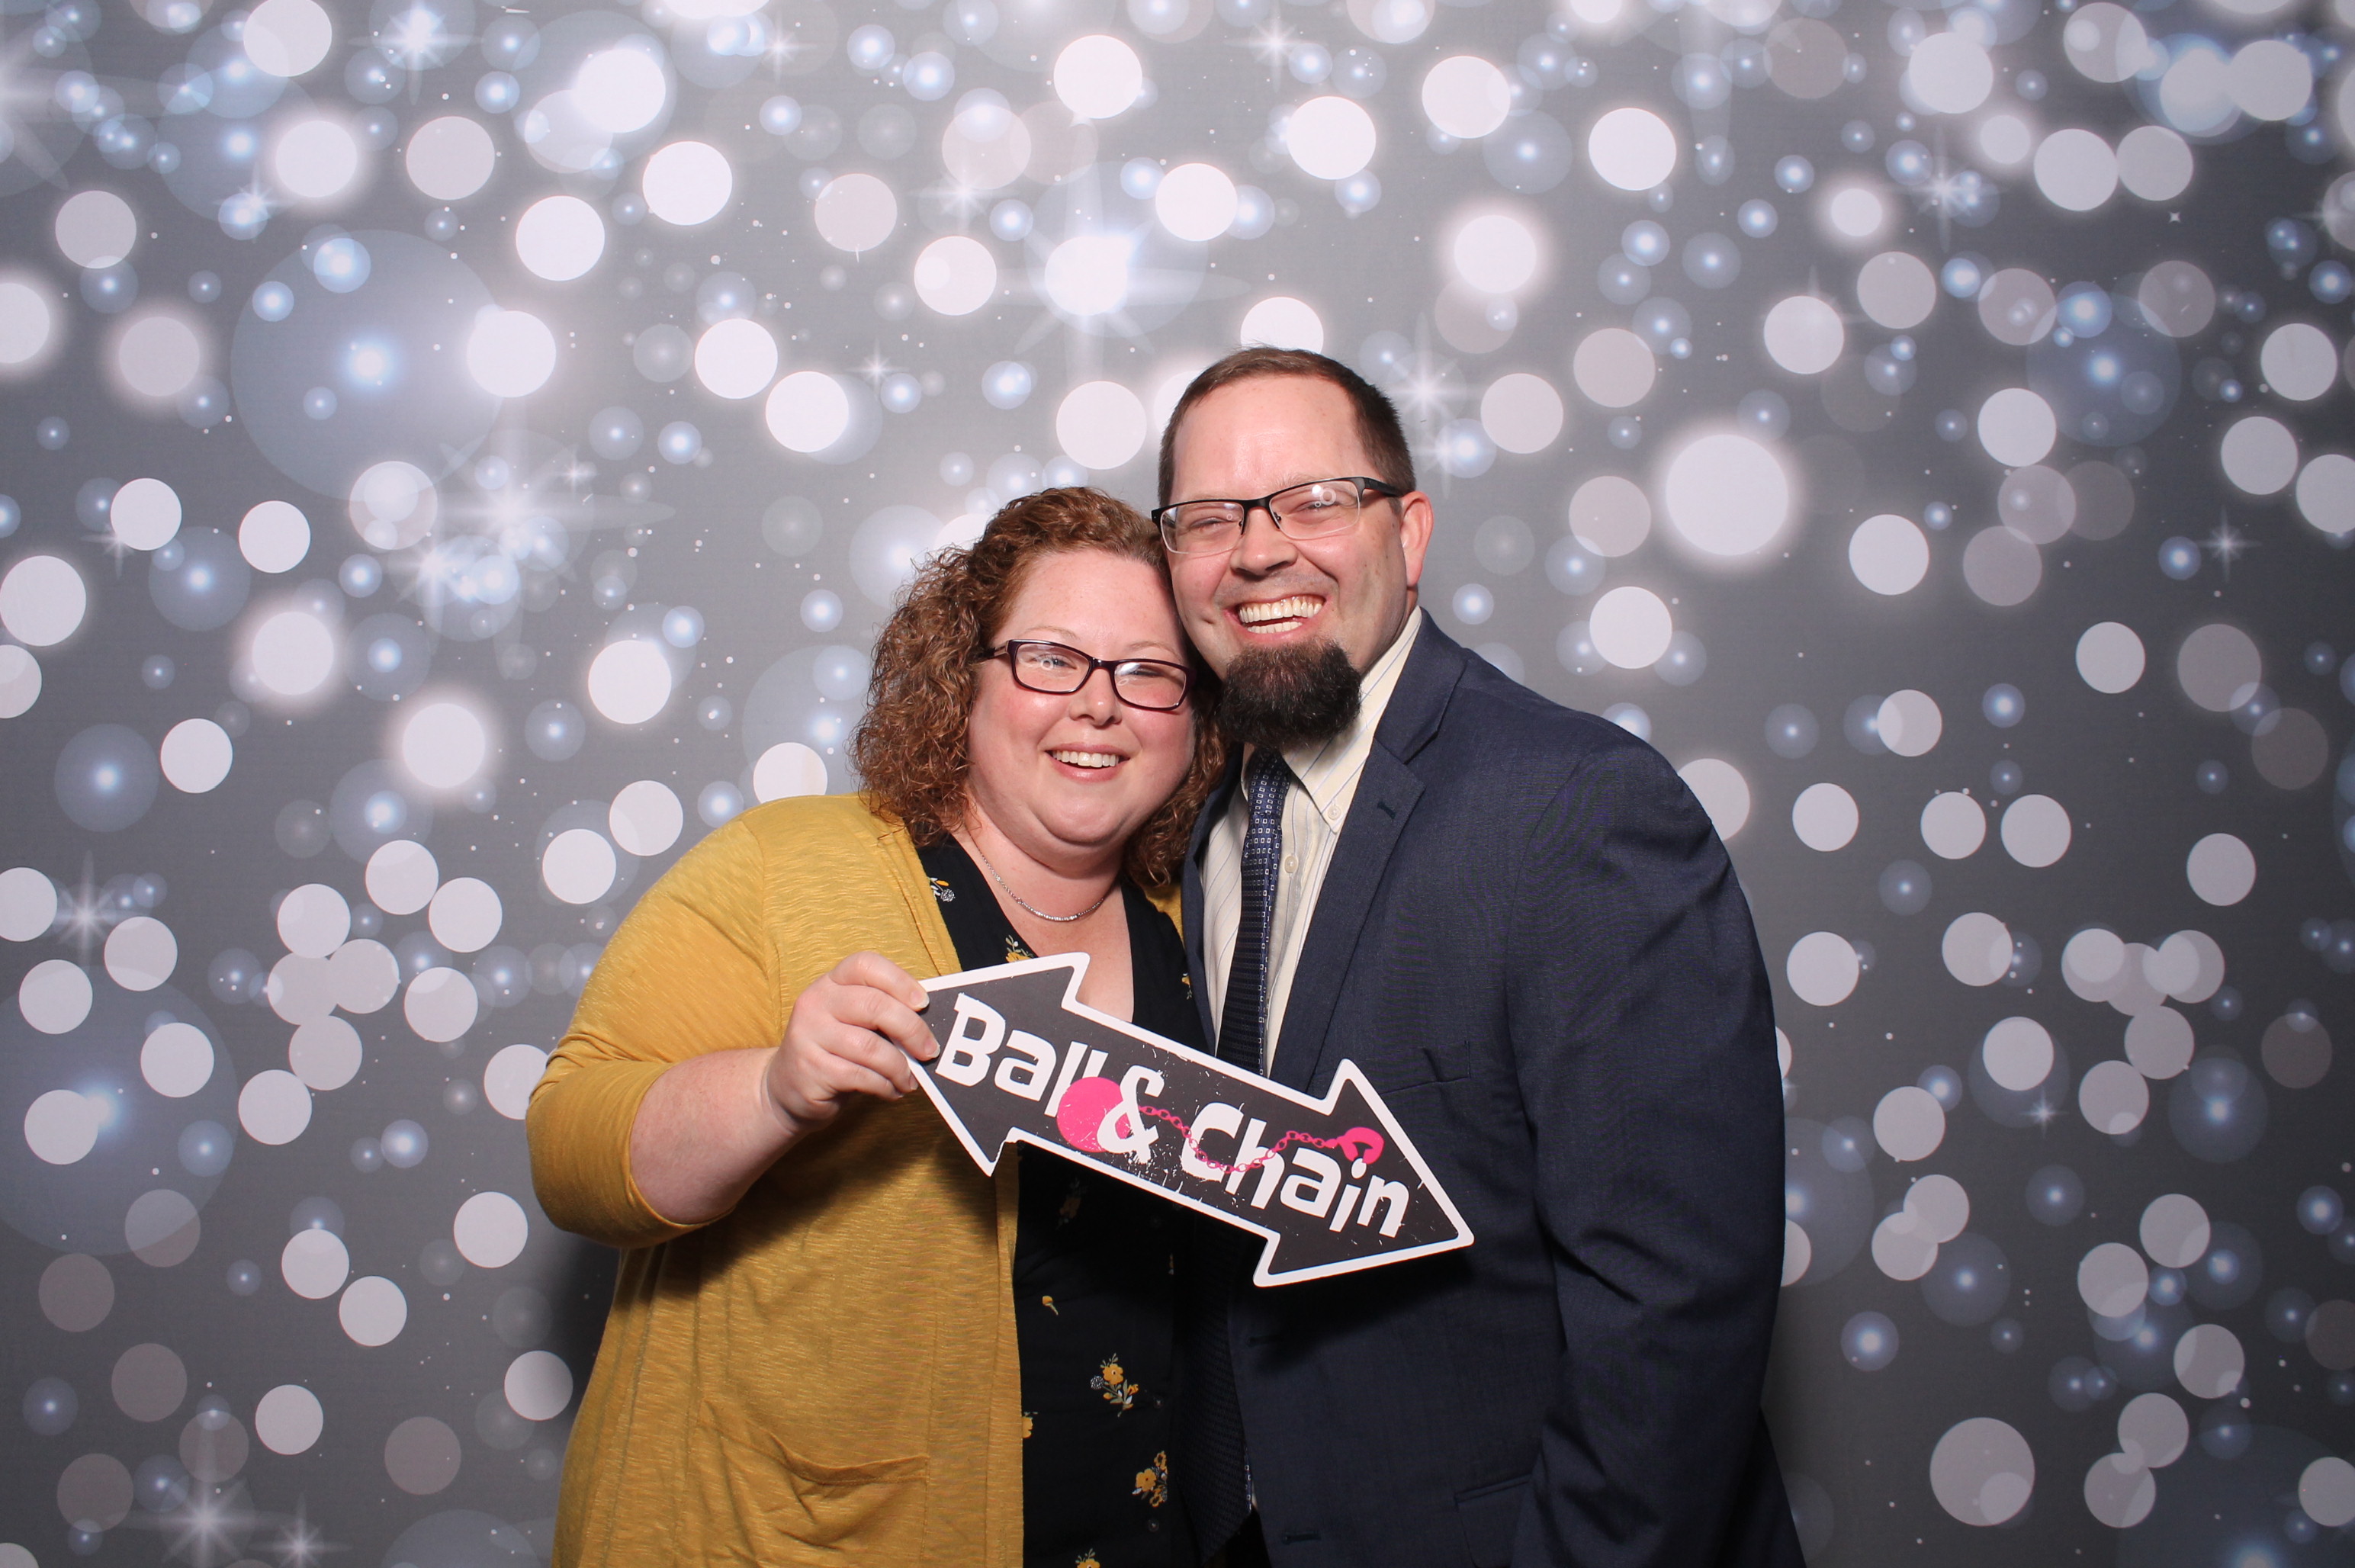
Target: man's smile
1269,617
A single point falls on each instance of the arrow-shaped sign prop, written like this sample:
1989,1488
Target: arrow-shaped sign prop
1334,1185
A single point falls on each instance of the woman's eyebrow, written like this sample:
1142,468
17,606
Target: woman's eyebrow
1070,639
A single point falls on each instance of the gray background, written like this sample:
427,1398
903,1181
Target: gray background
153,1332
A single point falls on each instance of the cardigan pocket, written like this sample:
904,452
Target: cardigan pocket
776,1499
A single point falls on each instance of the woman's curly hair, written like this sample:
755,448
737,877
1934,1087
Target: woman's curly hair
911,749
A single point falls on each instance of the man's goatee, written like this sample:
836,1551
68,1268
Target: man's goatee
1280,696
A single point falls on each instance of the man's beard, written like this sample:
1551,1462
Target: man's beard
1276,698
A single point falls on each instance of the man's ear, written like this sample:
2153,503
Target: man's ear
1415,520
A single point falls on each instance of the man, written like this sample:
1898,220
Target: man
1519,923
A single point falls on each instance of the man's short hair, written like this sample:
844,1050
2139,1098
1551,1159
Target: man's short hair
1378,422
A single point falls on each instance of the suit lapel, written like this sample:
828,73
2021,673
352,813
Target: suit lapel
1194,918
1387,793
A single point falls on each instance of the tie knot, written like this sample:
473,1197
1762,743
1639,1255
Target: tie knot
1270,779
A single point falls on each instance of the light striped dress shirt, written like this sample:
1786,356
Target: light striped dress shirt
1327,772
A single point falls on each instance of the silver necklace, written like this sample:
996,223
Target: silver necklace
1042,914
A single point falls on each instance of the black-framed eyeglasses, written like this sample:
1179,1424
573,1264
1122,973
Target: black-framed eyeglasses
1307,511
1153,684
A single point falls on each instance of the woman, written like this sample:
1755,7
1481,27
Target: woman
833,1338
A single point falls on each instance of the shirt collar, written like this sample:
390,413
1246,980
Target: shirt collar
1328,769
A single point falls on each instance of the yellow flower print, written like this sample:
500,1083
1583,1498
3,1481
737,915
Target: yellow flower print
1015,952
1111,1381
1087,1559
1153,1485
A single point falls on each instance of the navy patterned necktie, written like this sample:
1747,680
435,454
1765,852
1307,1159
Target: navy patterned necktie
1216,1475
1242,1022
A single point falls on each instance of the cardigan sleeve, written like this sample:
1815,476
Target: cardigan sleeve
691,970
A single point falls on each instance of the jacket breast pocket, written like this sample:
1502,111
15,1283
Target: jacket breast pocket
771,1505
1490,1516
1424,1066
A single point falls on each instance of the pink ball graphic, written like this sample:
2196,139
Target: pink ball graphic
1085,1104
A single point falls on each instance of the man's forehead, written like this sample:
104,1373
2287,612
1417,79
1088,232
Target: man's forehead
1265,423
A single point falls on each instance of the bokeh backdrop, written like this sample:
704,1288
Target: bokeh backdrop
455,455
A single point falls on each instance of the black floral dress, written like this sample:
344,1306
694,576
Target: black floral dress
1093,1308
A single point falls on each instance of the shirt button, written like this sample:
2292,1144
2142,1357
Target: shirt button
1291,865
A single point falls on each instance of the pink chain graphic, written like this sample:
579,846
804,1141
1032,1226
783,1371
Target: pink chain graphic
1358,1142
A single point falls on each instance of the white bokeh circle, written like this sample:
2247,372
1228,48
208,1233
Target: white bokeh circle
645,817
54,996
1804,334
2035,830
465,914
510,353
1466,96
630,681
1953,826
1632,148
1889,554
145,513
509,1077
806,411
1631,627
1824,818
141,952
176,1059
578,866
788,769
274,536
373,1311
1975,948
490,1230
1195,202
42,601
1100,426
2017,427
537,1385
451,158
289,1419
1722,791
560,237
275,1106
402,876
1098,77
1331,138
957,274
1521,412
856,213
1281,321
736,359
1822,968
1727,494
440,1005
2110,658
2220,869
687,184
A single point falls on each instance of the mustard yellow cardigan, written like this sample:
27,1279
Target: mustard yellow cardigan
827,1374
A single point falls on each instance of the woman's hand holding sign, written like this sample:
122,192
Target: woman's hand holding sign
851,1032
710,1125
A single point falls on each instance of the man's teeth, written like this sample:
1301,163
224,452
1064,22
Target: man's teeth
1085,759
1297,608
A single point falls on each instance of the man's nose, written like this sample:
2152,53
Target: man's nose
1263,547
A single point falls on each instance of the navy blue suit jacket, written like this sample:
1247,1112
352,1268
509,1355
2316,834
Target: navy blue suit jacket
1532,940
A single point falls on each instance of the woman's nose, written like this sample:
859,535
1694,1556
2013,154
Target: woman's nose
1095,700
